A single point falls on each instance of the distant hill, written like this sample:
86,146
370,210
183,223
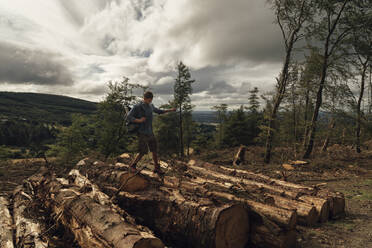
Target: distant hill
42,107
204,116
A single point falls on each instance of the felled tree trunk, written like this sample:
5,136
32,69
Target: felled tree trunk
28,231
198,223
239,156
6,225
93,222
115,176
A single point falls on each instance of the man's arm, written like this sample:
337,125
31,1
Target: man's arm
132,113
162,111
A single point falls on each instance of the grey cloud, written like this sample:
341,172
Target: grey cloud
226,44
233,30
98,90
207,85
22,65
91,70
162,89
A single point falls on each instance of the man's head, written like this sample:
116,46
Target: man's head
147,97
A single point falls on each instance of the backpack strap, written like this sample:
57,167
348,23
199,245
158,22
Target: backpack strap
143,110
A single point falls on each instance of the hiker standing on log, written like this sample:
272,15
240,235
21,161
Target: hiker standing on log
146,137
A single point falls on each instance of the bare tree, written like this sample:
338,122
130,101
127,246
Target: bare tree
332,34
362,44
291,16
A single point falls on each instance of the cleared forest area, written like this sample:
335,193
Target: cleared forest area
196,204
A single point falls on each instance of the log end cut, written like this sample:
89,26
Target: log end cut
232,228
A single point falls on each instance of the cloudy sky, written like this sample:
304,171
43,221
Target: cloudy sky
74,47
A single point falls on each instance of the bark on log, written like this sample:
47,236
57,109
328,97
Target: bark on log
110,174
197,224
93,223
6,225
248,183
27,231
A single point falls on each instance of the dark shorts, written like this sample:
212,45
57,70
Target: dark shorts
146,142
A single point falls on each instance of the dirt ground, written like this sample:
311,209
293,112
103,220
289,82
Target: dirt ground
340,169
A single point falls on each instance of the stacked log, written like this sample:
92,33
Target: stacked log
89,215
6,224
175,216
336,200
181,191
328,204
274,206
198,187
321,205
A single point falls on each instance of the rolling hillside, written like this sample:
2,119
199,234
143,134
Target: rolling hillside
42,107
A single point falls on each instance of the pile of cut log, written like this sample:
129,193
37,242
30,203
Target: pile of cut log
196,204
206,205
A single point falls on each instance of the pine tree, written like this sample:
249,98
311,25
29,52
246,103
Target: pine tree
253,102
221,117
182,92
166,129
111,116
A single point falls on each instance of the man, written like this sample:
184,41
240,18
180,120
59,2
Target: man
141,113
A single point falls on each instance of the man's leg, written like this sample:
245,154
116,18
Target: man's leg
138,157
155,159
154,150
142,150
